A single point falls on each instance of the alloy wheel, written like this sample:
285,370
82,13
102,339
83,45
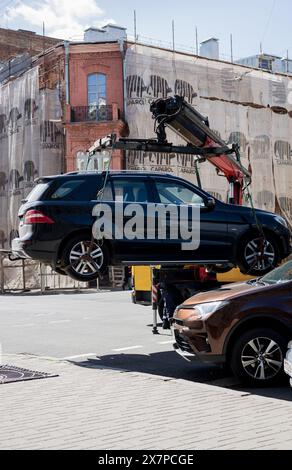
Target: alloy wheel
86,258
259,254
262,358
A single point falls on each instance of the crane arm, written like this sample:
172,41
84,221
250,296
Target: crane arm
176,114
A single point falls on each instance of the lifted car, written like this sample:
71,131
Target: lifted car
56,226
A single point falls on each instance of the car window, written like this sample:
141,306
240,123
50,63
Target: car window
75,189
279,275
37,192
130,191
66,189
106,194
176,193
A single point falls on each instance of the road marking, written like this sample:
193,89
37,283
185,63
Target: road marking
59,321
80,356
45,314
127,349
166,342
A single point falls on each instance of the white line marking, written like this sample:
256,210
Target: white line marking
127,349
166,342
59,321
80,356
45,314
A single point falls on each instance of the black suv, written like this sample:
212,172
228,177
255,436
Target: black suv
56,223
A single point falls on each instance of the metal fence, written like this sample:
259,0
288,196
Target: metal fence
27,275
91,113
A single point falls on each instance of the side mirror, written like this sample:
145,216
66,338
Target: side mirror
210,203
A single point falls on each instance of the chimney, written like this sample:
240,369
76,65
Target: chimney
210,48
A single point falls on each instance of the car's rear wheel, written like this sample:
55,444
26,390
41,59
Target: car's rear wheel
83,259
258,255
257,357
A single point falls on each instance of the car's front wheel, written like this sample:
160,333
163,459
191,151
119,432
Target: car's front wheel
84,259
258,255
257,357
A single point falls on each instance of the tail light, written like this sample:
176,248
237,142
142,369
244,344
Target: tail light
36,217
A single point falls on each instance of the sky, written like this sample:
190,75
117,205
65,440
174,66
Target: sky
250,22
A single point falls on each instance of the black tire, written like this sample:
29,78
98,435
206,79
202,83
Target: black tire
83,261
249,260
261,372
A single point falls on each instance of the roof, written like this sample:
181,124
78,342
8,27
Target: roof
119,173
102,29
92,28
210,39
111,25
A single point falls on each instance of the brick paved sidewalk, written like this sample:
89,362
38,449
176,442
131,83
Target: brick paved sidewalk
94,408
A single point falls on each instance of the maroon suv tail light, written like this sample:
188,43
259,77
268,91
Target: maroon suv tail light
36,217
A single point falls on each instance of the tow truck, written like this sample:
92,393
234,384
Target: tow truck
177,114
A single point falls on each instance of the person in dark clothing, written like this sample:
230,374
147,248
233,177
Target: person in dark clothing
127,284
171,299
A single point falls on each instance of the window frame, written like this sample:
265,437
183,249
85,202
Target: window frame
190,187
96,92
143,180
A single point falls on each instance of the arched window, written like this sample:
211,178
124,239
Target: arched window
96,89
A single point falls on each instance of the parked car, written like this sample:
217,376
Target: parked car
288,362
56,226
246,325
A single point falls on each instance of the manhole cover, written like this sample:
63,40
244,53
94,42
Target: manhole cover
10,374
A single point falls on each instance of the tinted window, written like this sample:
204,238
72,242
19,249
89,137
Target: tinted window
130,191
176,193
83,189
106,194
37,192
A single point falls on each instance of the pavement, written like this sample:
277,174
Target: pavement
120,387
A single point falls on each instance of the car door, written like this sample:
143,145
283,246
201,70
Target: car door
132,194
213,246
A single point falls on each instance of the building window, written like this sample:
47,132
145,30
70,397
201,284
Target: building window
96,87
265,63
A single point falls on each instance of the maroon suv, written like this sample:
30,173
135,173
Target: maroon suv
246,325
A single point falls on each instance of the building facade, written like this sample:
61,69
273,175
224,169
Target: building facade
95,105
107,83
90,80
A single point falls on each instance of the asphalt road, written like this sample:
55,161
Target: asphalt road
104,326
101,329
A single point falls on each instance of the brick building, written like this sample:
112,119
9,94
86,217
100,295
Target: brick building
96,99
89,76
14,43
